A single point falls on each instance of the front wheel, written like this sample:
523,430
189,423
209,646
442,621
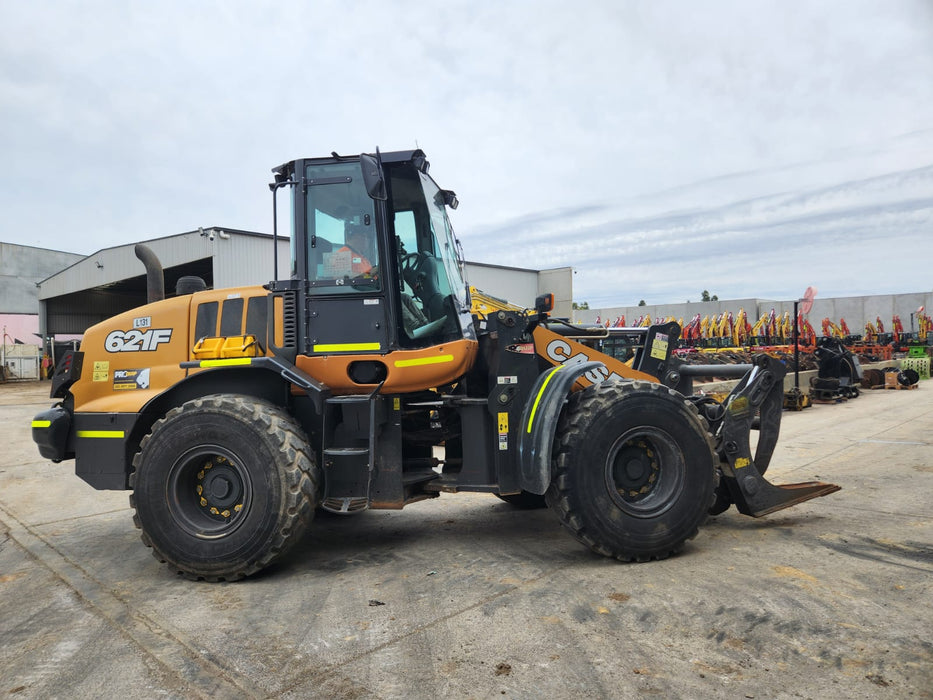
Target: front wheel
223,486
634,471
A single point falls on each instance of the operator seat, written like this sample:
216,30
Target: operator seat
412,315
428,287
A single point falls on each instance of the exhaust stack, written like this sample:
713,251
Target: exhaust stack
155,280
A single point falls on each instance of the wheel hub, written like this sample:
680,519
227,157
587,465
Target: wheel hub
635,470
644,472
219,488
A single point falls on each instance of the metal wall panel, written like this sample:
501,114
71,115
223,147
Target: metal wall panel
242,260
513,284
21,267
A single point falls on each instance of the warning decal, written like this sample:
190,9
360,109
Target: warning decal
101,371
659,347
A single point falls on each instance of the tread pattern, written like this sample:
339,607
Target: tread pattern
303,477
578,415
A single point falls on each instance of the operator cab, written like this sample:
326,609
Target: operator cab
374,255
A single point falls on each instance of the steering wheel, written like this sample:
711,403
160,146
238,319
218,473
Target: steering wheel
411,262
411,267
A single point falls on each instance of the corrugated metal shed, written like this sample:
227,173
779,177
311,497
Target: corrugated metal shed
113,280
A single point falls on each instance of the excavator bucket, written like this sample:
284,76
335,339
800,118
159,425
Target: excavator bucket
759,397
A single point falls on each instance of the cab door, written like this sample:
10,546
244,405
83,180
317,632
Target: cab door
346,300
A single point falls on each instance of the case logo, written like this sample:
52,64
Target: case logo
561,352
137,340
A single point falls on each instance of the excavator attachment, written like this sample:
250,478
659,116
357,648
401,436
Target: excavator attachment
758,398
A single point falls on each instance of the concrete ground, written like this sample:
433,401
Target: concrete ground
465,597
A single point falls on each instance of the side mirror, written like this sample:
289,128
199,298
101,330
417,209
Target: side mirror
372,177
450,199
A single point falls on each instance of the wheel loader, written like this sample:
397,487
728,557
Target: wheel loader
375,377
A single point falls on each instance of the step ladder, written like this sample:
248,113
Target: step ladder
349,459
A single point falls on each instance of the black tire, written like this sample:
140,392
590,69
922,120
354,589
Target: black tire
524,500
224,485
634,471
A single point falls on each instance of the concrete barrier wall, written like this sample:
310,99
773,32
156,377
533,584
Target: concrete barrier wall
857,311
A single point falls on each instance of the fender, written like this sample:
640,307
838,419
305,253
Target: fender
289,372
103,444
539,422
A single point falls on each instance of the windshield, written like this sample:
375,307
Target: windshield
343,249
431,286
444,241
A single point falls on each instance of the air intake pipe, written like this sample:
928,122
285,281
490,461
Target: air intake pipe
155,281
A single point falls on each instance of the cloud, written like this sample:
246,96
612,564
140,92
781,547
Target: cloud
650,125
764,246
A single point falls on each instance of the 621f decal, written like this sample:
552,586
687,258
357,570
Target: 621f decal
137,340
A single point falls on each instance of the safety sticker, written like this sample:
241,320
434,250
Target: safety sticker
522,348
101,371
130,379
659,346
508,379
503,430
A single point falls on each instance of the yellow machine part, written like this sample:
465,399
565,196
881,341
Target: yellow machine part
482,304
135,356
233,346
559,350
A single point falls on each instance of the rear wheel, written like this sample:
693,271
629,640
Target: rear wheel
223,486
634,471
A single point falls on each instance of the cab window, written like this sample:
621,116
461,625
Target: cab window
343,249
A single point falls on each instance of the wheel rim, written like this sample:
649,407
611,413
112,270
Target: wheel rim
645,471
208,492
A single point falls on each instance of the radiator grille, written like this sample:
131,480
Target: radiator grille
290,320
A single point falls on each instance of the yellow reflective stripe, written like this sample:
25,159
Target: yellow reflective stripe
41,423
346,347
100,433
228,362
534,406
418,361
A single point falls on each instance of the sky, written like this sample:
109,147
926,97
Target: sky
751,149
